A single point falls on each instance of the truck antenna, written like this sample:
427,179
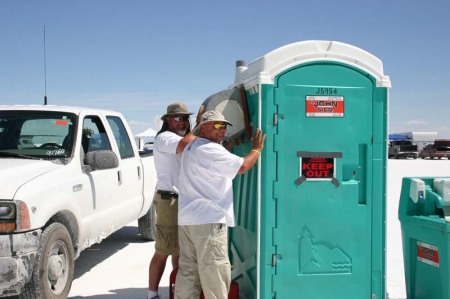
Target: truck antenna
45,73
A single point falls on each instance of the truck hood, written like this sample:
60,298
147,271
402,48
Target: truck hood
16,172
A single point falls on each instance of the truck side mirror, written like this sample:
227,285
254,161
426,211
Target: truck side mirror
99,160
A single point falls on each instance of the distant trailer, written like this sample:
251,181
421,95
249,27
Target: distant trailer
398,137
421,138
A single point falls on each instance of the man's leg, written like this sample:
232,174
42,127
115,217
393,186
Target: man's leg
187,285
166,241
156,270
213,262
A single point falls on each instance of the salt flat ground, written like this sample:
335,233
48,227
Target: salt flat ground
118,267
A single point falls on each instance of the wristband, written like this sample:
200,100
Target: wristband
255,150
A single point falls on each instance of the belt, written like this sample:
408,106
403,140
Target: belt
167,194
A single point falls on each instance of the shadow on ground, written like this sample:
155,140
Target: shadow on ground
97,253
132,293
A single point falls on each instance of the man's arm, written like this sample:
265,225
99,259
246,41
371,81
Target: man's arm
185,141
252,157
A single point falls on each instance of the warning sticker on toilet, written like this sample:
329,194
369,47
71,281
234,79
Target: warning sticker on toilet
427,254
317,168
324,106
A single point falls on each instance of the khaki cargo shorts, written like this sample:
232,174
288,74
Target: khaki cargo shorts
166,239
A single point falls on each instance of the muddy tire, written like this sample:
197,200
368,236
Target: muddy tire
147,223
54,265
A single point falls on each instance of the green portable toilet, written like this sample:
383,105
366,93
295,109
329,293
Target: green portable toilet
311,216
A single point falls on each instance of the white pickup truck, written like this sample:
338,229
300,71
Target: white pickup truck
69,177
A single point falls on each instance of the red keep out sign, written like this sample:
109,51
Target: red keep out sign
317,168
427,254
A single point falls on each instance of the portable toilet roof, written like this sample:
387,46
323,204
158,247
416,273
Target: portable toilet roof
264,69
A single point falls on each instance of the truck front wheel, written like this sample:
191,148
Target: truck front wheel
54,265
147,223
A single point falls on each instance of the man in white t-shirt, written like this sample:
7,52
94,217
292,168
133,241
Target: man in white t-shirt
205,208
170,141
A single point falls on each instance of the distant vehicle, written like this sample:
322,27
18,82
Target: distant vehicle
148,146
439,149
403,149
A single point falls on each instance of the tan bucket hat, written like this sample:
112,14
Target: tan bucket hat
177,109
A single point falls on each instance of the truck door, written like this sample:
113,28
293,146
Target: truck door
324,204
131,174
97,191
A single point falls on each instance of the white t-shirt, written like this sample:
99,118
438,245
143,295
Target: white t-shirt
206,183
167,162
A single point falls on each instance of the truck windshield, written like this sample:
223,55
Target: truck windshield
36,134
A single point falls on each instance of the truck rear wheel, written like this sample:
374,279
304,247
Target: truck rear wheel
54,265
147,223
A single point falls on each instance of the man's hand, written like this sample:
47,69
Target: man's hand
258,140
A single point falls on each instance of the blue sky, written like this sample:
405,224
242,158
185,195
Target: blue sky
138,56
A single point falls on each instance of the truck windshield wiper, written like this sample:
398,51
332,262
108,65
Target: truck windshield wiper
13,155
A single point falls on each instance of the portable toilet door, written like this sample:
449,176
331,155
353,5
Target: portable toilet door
326,103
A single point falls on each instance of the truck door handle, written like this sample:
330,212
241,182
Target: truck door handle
119,177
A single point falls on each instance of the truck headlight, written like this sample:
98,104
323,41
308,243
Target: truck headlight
14,216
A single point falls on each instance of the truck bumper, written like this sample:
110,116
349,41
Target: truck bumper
17,254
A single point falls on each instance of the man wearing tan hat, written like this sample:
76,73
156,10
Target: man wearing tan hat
170,141
206,208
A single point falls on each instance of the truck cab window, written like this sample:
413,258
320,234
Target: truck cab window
121,136
94,136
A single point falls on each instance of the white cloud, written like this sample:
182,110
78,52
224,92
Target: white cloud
416,122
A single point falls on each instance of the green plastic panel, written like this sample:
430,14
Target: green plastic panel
426,243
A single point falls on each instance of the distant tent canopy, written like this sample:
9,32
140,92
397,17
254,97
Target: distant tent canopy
143,137
398,137
149,133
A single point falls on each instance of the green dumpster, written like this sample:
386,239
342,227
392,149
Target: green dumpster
424,214
311,216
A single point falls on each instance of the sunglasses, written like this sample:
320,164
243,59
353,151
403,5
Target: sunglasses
220,126
180,118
